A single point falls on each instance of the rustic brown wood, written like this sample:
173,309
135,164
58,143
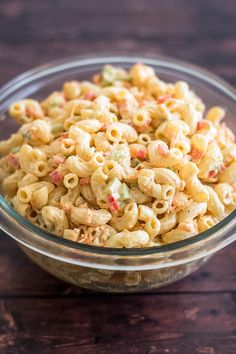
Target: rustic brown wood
99,323
33,32
40,314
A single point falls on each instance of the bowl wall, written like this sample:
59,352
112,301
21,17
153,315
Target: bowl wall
113,281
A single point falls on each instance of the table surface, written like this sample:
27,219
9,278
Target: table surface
40,314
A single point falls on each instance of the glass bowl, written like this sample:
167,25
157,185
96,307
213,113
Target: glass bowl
108,269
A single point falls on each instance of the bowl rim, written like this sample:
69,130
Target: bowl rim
58,65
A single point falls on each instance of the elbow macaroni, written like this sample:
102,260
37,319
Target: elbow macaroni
189,173
126,161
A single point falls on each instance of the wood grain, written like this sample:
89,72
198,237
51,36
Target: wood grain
163,324
40,314
202,31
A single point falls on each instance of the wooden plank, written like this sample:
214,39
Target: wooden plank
105,324
201,39
19,276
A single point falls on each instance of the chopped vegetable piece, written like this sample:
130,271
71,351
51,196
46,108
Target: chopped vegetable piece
117,155
196,154
124,192
27,135
113,205
203,124
104,127
64,135
14,161
163,99
212,173
31,111
56,101
15,149
57,128
138,153
134,162
90,95
85,180
113,186
56,177
110,74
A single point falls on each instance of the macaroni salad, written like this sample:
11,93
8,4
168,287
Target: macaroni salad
126,160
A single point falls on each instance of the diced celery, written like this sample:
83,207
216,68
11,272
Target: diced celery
109,74
15,149
124,192
57,128
55,101
112,187
134,162
117,155
26,135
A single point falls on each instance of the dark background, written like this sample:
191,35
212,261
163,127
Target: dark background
40,314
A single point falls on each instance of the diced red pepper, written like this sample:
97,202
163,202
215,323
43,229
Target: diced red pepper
138,153
163,99
203,124
104,127
56,177
90,95
30,111
14,161
196,154
212,173
64,135
141,154
85,180
113,205
110,198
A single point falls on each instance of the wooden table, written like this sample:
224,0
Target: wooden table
40,314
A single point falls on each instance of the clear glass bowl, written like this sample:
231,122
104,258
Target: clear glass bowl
108,269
